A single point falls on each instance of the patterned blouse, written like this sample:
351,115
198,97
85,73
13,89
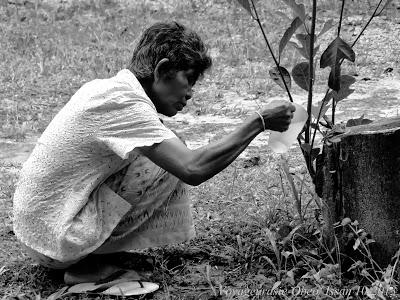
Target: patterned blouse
61,207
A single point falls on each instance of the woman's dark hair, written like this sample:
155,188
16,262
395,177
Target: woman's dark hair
182,46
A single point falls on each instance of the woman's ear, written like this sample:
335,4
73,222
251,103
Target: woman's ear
162,68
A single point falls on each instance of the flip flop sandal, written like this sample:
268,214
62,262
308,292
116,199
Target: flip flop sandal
120,283
131,288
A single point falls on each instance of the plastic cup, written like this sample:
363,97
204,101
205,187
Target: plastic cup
281,141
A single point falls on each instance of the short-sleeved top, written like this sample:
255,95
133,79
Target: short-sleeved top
61,208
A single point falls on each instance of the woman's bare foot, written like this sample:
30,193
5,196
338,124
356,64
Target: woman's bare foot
91,269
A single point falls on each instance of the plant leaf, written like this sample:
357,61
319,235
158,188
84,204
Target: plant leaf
305,41
312,152
306,147
315,152
288,238
289,33
301,50
270,262
370,241
357,244
246,5
345,82
276,77
334,77
345,221
327,26
59,294
303,38
301,75
272,240
336,50
296,196
343,94
298,9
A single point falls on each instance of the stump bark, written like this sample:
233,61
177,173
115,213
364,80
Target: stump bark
358,176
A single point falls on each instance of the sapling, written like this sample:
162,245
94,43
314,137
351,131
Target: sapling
302,29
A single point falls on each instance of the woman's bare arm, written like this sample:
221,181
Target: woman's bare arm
196,166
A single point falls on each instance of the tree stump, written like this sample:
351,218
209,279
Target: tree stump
358,176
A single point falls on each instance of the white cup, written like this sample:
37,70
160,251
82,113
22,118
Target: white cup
281,141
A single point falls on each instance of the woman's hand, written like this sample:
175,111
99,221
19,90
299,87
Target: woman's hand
278,115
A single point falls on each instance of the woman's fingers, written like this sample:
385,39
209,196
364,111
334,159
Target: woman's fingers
278,115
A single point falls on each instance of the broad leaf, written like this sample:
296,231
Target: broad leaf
303,38
327,26
305,41
276,77
301,75
296,23
345,82
306,147
303,51
334,77
312,152
336,50
246,5
298,9
343,94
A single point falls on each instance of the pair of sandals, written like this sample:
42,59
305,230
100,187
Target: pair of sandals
118,282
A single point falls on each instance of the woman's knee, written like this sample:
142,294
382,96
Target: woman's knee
46,261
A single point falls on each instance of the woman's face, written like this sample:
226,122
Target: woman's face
171,94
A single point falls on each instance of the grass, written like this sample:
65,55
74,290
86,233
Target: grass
244,215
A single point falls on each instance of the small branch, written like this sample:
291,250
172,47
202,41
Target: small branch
367,24
341,18
311,70
271,51
340,62
383,8
318,118
307,155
